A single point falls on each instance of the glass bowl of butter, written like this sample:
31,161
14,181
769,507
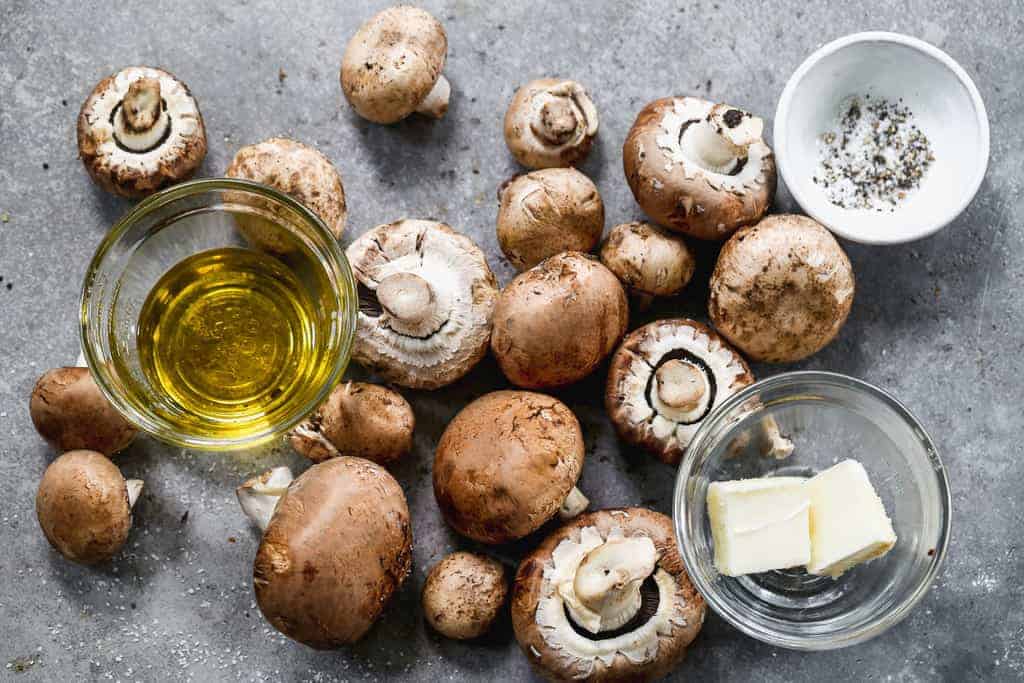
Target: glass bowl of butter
812,510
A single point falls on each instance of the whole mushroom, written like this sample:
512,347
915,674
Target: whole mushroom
70,412
699,168
464,594
649,261
550,122
392,66
546,212
140,130
506,464
782,289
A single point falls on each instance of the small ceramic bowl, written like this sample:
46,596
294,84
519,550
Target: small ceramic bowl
945,104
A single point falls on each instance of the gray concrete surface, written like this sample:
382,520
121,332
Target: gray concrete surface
939,323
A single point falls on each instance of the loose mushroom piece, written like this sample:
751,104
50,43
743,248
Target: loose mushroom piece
699,168
607,598
550,122
139,131
463,595
649,261
337,547
70,412
363,420
556,322
506,464
259,496
392,66
782,289
546,212
84,506
427,297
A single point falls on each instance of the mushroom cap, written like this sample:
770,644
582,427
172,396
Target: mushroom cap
546,212
338,546
463,595
434,352
392,63
556,322
550,122
116,168
648,259
505,464
648,651
70,412
782,289
83,507
683,195
358,419
632,393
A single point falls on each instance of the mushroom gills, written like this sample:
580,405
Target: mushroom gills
682,387
605,591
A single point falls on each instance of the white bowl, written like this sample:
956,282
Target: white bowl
946,107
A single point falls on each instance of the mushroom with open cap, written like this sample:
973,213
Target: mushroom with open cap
699,168
650,261
464,594
71,413
782,289
392,66
426,299
606,598
139,131
550,122
258,496
506,464
84,506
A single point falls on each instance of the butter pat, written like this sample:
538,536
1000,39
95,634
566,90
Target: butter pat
848,521
760,524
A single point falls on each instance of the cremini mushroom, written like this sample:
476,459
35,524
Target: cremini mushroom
427,298
359,419
464,594
650,261
557,321
699,168
782,289
550,122
70,412
84,506
606,598
338,545
546,212
506,464
392,66
259,496
139,131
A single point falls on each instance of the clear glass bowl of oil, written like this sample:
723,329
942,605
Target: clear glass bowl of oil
218,313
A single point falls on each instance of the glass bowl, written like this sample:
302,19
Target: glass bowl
829,418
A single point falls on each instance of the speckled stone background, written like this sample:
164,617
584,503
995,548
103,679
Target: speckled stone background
939,323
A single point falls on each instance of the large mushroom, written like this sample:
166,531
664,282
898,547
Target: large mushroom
506,464
550,122
606,598
463,595
139,131
71,413
557,321
699,168
650,261
392,66
427,297
782,289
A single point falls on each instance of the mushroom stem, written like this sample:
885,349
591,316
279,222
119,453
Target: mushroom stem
258,496
141,105
680,384
705,146
407,297
134,487
435,104
779,447
574,504
607,582
557,121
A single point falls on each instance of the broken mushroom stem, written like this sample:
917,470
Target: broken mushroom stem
436,102
779,447
607,582
258,496
557,121
141,105
408,298
574,504
720,142
134,487
681,385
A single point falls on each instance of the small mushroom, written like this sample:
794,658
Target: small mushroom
427,297
338,545
84,506
546,212
550,122
463,595
70,412
392,66
698,167
259,496
140,130
556,322
363,420
506,464
606,598
649,261
782,289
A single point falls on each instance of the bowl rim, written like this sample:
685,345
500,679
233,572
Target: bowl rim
925,228
726,609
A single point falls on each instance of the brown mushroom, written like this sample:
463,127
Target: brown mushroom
550,122
140,130
556,322
782,289
463,595
650,261
698,167
70,412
